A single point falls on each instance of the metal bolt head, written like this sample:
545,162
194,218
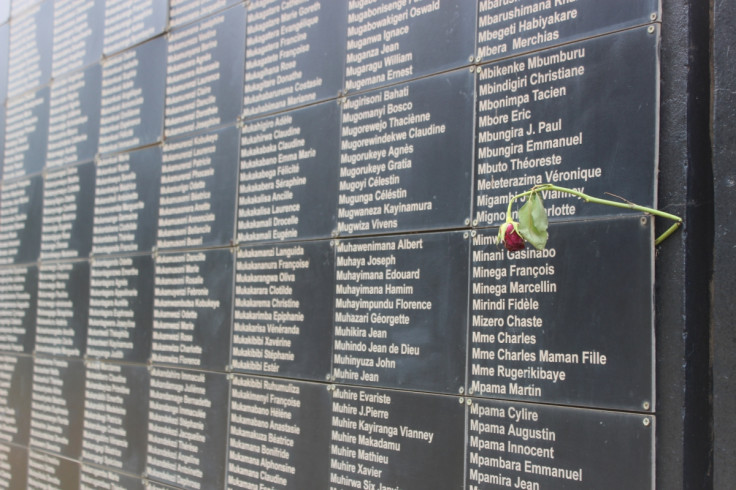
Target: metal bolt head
461,400
472,69
467,221
646,422
650,29
468,402
471,391
475,222
471,58
328,377
461,390
645,405
653,16
466,235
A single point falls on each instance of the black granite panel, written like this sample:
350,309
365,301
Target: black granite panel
48,471
204,73
4,54
385,439
129,22
16,378
31,41
74,117
520,445
198,190
132,104
63,303
192,309
283,310
121,308
506,28
20,234
26,134
279,434
13,466
68,206
116,416
401,311
18,301
94,478
538,335
57,406
126,202
294,54
581,116
288,175
406,159
78,35
187,428
392,41
185,11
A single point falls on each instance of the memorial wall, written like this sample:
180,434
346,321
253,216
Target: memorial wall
254,244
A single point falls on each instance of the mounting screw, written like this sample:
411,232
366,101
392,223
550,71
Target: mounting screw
461,400
228,368
229,376
471,58
643,220
645,405
472,69
468,402
471,391
475,222
646,422
653,16
466,235
328,377
467,221
461,390
473,233
650,29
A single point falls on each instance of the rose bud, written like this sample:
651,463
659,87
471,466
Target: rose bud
511,238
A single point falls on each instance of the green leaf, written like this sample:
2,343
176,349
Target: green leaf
533,221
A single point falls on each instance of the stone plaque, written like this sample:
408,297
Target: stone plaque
203,76
18,301
294,53
395,439
192,309
74,117
78,29
198,190
288,175
26,133
63,303
68,206
31,40
522,445
126,202
47,471
393,41
406,157
279,434
132,104
580,116
283,310
57,406
185,11
20,238
187,428
16,379
537,335
128,22
401,311
506,28
115,416
121,308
